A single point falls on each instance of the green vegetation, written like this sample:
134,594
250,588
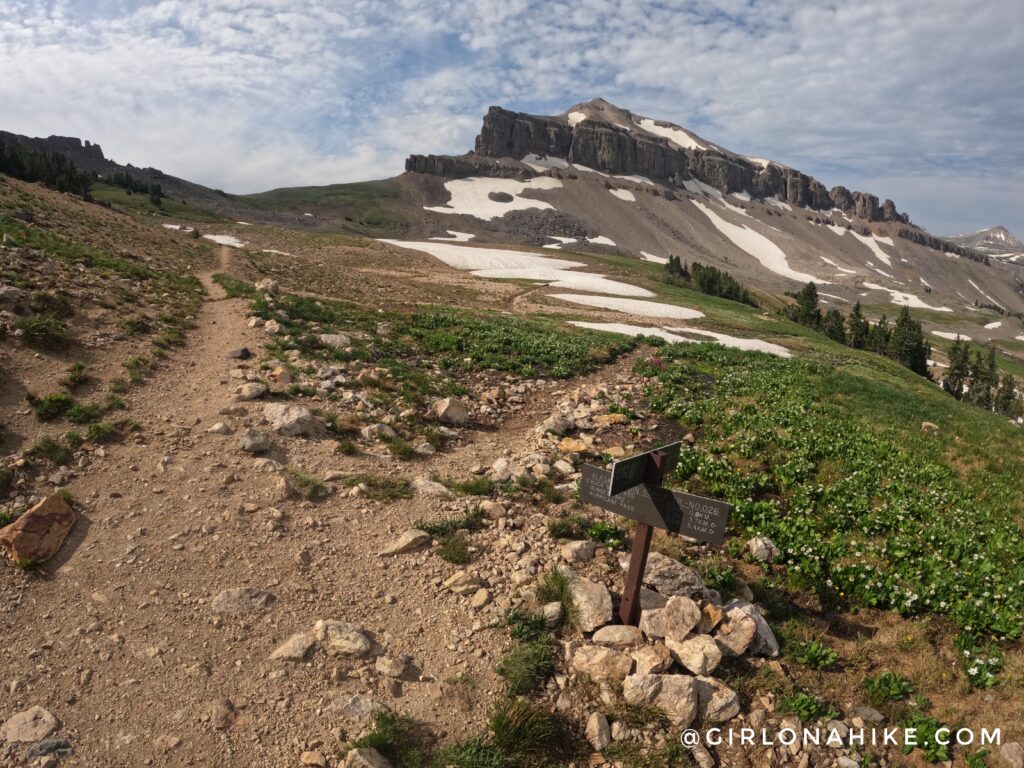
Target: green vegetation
505,343
311,488
526,626
815,654
862,512
634,754
521,735
554,588
52,406
887,687
397,737
382,488
53,450
576,527
975,379
45,331
75,377
451,525
455,549
476,486
527,665
807,707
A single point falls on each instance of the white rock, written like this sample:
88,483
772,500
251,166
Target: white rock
32,725
253,390
366,757
450,411
764,642
336,340
593,603
424,486
412,539
717,702
294,648
698,653
254,441
463,583
578,551
763,549
598,733
240,601
291,420
602,663
619,636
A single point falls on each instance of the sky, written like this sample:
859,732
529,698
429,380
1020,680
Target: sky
921,101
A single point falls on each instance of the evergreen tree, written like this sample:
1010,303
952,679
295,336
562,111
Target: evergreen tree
1006,398
878,336
806,312
858,328
959,370
907,344
980,387
833,326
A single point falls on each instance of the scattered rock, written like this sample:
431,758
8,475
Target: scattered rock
222,714
241,353
357,707
46,747
677,698
294,648
342,638
390,666
313,758
679,617
764,642
552,614
763,549
240,601
579,551
1012,753
410,540
652,659
463,583
480,598
668,576
38,534
557,425
31,725
266,285
336,340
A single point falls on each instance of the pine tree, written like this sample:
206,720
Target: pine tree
907,344
833,326
1006,398
806,311
858,328
959,368
878,336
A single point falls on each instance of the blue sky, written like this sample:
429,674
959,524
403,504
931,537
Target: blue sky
920,101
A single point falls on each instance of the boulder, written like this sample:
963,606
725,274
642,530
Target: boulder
410,540
679,617
598,733
254,441
424,486
38,534
602,663
735,634
335,340
292,420
764,642
667,576
556,425
578,551
463,583
241,600
342,638
593,603
29,726
366,757
450,411
253,390
699,654
266,285
677,698
652,659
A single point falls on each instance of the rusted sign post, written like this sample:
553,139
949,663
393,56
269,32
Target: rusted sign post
632,488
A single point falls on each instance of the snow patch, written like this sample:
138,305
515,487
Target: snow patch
677,136
456,237
279,253
575,118
635,179
833,296
230,240
983,293
872,242
773,200
673,335
632,306
656,259
503,264
950,336
601,240
841,269
244,223
744,196
543,162
993,326
909,299
757,245
585,169
471,196
623,194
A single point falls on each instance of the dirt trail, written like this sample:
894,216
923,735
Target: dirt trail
116,637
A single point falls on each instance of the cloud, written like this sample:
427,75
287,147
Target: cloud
899,97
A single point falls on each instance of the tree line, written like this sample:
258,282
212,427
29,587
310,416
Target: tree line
53,170
133,184
974,378
903,341
709,280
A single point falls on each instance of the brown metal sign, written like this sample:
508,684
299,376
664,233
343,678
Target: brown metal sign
698,517
631,472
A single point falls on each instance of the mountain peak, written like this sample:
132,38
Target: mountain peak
995,240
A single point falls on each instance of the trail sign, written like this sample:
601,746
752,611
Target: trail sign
631,472
640,496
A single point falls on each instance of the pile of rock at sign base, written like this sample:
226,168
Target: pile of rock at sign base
669,660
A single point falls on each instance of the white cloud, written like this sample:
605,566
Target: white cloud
888,96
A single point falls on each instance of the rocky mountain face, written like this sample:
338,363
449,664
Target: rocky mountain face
600,136
85,155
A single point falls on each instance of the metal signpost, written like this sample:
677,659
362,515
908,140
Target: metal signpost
632,488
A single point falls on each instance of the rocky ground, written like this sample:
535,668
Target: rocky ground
253,574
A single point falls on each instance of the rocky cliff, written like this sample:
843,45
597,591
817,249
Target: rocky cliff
611,140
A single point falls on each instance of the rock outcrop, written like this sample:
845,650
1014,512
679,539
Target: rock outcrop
608,144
